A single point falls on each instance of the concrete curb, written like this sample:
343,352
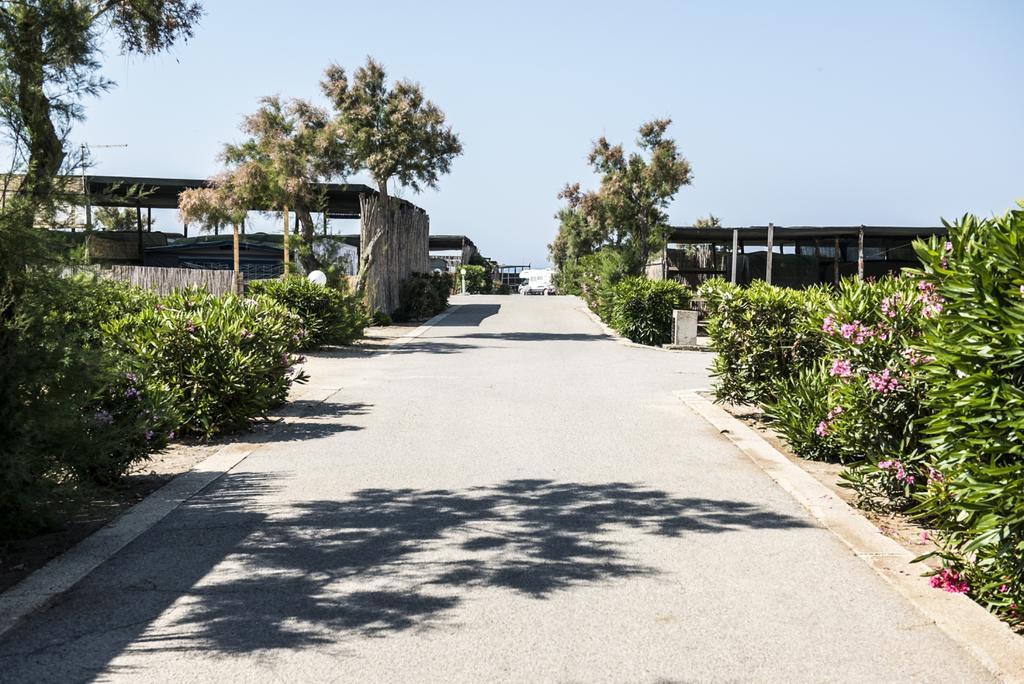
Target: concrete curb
990,641
42,587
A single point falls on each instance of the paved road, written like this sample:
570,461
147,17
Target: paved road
512,496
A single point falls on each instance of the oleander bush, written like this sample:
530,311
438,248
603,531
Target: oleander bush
423,295
330,315
227,360
762,335
875,400
641,309
802,402
974,408
70,410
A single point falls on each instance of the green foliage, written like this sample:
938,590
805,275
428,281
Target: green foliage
226,359
870,329
975,405
380,319
424,295
478,280
762,335
73,409
641,309
593,278
330,316
628,211
802,402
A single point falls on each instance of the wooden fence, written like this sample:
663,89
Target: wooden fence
403,249
164,280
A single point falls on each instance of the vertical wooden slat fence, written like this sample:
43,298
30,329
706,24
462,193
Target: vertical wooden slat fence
403,249
165,280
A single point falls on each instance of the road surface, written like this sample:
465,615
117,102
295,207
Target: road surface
512,496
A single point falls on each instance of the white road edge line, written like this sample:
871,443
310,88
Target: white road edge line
42,587
986,638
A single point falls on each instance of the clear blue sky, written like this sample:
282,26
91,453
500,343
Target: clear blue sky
792,112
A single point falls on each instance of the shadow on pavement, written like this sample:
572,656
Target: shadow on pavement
538,337
468,315
382,561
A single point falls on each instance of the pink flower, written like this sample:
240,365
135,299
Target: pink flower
883,382
935,476
822,429
924,536
841,368
829,325
950,581
949,246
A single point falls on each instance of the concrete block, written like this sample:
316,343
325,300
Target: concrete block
684,328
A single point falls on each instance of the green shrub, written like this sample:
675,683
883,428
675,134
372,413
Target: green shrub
762,335
975,406
330,315
423,295
802,402
870,329
593,278
380,319
478,279
67,412
227,359
641,309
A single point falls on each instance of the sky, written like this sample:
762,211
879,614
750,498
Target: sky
798,113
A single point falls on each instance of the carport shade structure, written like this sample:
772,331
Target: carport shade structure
832,240
435,243
342,199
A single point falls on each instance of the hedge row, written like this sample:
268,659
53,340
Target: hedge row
99,374
914,383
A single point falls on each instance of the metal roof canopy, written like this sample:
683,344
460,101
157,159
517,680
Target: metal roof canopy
748,234
162,193
435,243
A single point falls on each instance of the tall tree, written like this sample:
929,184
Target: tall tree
392,132
628,211
225,201
49,61
291,148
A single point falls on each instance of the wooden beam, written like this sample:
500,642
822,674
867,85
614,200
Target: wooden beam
860,253
735,245
835,264
286,256
768,258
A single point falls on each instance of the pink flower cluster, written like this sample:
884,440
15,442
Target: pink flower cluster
901,471
916,358
826,425
930,299
891,305
951,581
884,382
935,476
856,332
841,368
829,325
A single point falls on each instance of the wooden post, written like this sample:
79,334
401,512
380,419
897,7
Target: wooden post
149,219
186,230
860,253
286,242
735,250
238,270
138,223
768,259
835,263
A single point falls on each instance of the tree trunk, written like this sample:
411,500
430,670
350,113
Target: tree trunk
308,228
238,270
46,149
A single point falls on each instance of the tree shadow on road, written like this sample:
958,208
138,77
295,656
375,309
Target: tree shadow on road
382,561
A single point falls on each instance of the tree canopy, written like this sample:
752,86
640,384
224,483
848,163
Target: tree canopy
628,210
49,62
291,148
